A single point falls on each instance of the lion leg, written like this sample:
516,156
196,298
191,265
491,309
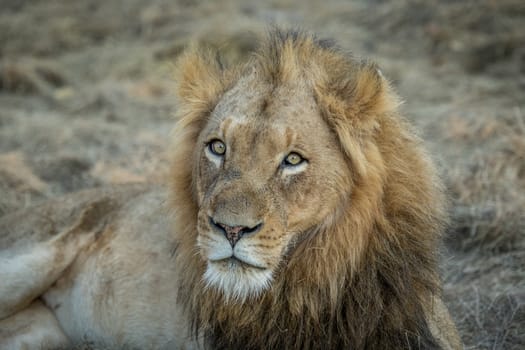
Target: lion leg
28,271
35,327
442,326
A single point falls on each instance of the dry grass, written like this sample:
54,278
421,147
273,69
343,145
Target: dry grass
485,278
489,198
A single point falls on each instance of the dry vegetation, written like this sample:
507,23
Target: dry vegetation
86,100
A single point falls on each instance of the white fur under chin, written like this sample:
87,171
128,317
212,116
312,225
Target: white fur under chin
237,283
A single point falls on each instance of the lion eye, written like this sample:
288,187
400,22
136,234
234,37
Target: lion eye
217,147
293,159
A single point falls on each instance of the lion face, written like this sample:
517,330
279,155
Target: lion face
268,172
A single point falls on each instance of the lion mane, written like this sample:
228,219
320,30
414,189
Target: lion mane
366,277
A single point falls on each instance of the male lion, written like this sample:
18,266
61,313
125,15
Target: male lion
302,213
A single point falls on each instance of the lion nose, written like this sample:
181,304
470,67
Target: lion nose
234,233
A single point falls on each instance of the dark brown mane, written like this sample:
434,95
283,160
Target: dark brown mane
369,285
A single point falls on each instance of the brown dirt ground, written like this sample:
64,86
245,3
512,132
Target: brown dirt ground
86,100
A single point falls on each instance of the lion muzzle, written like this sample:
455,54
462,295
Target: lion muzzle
234,233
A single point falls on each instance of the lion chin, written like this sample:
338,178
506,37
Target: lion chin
301,212
236,279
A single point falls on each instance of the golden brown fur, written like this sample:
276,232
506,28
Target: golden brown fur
314,225
365,277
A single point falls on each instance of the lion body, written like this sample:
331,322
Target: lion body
315,222
117,292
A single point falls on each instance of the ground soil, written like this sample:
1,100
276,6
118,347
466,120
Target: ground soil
86,100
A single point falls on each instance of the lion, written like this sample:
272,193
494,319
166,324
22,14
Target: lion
300,212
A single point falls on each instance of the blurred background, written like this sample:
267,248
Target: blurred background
86,99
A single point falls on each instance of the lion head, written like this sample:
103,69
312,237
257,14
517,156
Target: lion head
268,173
304,202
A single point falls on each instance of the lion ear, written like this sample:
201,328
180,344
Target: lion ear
200,79
353,97
363,94
370,94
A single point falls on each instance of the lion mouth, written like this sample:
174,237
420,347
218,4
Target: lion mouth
233,262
